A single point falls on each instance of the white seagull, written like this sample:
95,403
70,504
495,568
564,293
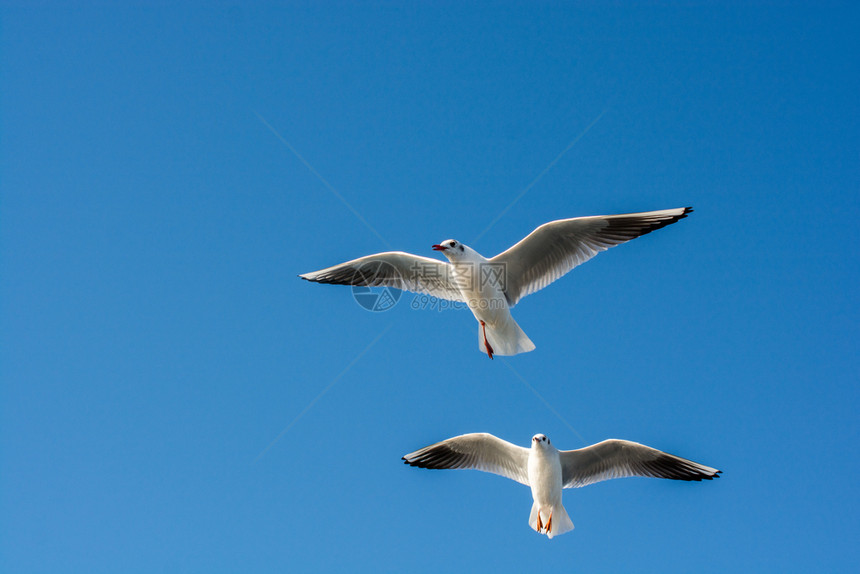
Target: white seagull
548,470
490,287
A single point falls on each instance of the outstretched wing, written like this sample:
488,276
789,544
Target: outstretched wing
393,269
554,248
620,458
479,451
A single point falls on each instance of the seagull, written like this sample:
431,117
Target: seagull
491,287
548,470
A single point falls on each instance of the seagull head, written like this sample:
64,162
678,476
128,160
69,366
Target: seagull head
452,249
540,441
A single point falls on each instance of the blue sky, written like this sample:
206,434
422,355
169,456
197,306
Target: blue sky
175,399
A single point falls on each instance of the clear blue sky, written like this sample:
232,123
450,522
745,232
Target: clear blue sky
156,340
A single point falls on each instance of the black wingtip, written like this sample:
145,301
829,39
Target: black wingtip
687,211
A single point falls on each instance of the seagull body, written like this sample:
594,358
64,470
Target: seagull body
546,479
483,291
491,287
547,470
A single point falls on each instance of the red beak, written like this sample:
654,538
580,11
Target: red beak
439,248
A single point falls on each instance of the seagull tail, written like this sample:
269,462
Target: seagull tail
561,522
506,338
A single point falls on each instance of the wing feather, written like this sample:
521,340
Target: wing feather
621,458
553,249
393,269
478,451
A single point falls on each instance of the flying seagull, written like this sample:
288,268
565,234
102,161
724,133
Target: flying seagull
490,287
548,470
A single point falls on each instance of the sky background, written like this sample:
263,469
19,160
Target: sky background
175,399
